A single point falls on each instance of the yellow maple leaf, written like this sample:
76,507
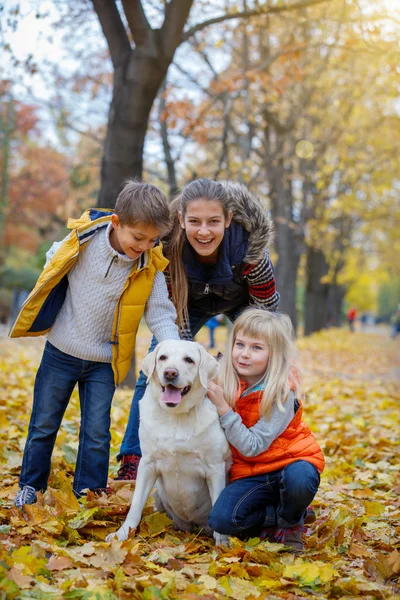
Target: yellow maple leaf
309,573
210,583
374,509
154,524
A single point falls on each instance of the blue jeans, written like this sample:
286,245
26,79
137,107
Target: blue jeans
130,443
55,380
277,499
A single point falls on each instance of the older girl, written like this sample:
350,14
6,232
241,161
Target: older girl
219,264
276,459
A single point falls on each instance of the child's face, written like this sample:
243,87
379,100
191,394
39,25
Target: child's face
250,357
133,240
205,224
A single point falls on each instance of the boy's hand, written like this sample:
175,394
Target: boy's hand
216,395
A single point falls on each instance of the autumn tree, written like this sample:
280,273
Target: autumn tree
139,72
296,123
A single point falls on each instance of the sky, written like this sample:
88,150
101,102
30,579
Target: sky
37,38
31,37
34,39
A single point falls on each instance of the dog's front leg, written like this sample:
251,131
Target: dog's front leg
145,481
216,481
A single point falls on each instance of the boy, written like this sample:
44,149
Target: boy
89,299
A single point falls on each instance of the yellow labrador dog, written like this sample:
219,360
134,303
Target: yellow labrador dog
184,450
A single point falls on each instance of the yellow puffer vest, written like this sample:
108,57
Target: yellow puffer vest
42,305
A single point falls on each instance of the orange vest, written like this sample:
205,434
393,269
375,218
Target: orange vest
295,443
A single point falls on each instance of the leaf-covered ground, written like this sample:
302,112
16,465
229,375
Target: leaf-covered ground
56,549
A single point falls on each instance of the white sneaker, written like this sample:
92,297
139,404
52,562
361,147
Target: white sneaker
26,495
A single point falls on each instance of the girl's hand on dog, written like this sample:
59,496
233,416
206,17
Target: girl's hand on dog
216,395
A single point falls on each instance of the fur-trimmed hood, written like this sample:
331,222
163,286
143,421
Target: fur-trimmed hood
248,211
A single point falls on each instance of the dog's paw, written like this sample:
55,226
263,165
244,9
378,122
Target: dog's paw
121,534
221,540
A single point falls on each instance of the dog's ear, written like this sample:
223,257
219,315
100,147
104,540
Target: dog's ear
149,363
208,368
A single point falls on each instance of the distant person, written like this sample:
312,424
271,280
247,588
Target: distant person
18,299
396,323
212,325
95,286
364,320
351,317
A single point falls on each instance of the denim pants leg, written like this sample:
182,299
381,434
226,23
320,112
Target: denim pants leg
131,444
54,383
96,391
241,509
298,485
247,505
56,378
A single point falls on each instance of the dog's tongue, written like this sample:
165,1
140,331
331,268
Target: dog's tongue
171,395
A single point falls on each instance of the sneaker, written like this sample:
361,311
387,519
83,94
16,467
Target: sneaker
26,495
268,533
310,517
107,491
128,468
291,537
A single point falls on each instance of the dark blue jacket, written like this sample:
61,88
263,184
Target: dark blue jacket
221,287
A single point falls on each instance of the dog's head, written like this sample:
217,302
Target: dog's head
182,371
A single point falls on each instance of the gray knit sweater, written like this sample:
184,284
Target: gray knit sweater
84,324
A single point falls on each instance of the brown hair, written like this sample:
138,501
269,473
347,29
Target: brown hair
204,189
143,203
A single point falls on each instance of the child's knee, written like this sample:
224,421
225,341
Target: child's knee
221,523
301,481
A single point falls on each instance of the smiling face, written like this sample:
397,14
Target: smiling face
250,357
181,371
133,240
205,224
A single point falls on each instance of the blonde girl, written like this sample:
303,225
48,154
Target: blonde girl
276,460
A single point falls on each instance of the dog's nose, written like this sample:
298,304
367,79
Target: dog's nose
171,374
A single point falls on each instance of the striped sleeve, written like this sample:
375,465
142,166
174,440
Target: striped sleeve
168,282
261,282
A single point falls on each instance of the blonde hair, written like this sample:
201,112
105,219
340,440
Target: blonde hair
204,189
275,330
143,203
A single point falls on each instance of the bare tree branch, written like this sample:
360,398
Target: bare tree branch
113,30
209,64
169,161
191,78
250,13
224,156
176,15
156,174
137,21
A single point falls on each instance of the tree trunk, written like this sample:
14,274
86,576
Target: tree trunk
316,296
286,270
288,240
136,84
335,304
6,127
